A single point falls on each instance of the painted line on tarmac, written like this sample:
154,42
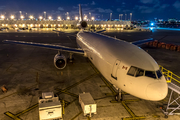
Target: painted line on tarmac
77,83
9,67
11,115
134,117
16,92
16,116
76,115
66,92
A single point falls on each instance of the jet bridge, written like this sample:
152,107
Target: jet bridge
173,106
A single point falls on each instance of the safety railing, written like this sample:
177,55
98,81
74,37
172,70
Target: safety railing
169,75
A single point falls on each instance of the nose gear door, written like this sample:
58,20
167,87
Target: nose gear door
114,70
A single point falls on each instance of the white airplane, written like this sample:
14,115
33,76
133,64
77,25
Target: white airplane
123,64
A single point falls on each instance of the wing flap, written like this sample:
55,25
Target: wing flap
48,46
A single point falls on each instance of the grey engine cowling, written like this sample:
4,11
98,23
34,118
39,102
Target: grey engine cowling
60,61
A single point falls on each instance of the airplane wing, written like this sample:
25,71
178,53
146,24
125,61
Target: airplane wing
48,46
142,41
63,33
100,31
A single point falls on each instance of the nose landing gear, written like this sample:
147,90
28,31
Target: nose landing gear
119,96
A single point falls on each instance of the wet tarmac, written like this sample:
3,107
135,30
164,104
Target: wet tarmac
23,67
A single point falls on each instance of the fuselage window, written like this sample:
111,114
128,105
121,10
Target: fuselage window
150,74
159,74
132,71
139,72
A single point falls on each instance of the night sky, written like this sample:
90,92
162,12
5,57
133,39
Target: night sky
141,9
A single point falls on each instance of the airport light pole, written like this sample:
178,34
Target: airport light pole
20,12
22,17
68,18
76,18
12,17
67,15
125,16
31,17
45,15
130,16
50,17
89,15
110,16
119,16
2,17
59,18
40,17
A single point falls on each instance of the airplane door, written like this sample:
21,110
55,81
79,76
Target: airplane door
114,70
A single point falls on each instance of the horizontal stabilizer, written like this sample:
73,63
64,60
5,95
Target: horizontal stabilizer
48,46
142,41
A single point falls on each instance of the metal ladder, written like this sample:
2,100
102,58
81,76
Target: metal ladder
170,109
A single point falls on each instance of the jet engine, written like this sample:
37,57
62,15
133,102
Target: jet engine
82,24
59,61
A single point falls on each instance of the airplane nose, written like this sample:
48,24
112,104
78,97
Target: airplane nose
157,91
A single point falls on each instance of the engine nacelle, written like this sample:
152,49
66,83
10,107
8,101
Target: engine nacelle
82,24
60,61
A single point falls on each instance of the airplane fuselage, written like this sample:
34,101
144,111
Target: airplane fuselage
114,58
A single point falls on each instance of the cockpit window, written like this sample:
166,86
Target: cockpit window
150,74
136,72
159,74
132,71
139,72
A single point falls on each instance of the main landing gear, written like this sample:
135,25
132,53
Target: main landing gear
119,96
70,59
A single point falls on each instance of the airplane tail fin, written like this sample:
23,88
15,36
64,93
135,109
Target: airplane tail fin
82,24
80,13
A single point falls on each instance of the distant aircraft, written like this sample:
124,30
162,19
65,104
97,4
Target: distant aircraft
123,64
22,29
3,29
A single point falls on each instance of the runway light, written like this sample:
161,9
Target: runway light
92,18
50,17
152,24
68,18
12,16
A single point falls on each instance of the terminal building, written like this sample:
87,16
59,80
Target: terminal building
62,24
